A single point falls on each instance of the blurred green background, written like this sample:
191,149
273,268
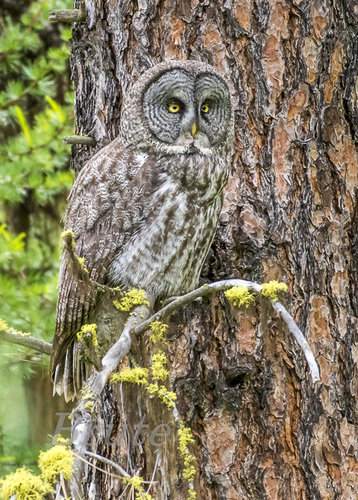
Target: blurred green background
36,111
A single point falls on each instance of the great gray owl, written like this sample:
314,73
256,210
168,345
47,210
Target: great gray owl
145,208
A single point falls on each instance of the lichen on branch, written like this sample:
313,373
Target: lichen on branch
5,327
70,244
185,437
136,484
141,377
132,298
9,334
273,289
239,296
88,330
69,239
137,375
55,461
28,486
159,372
23,484
158,331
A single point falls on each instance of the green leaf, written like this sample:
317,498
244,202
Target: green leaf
56,107
24,125
15,89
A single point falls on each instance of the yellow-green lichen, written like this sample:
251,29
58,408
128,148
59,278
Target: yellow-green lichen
168,397
143,496
159,372
28,486
137,375
89,405
81,261
189,472
132,298
159,330
69,238
239,296
56,460
5,327
25,485
152,388
90,329
140,376
185,437
136,483
272,289
61,439
87,394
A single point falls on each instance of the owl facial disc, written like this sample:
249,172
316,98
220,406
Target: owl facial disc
188,110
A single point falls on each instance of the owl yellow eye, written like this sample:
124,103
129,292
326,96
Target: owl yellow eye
205,108
174,107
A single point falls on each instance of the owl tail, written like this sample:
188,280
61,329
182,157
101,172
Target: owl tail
70,373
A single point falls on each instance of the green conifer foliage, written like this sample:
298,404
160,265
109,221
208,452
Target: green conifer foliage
36,111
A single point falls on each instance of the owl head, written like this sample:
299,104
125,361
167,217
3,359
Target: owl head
179,107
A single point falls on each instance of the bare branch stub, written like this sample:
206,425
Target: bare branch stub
79,139
67,16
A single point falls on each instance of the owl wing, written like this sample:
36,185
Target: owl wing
104,208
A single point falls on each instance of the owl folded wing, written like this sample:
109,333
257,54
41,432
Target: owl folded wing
100,220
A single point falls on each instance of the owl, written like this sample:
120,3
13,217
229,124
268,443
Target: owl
144,209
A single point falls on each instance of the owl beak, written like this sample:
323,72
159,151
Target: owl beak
193,129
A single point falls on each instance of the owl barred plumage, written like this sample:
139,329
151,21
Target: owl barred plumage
145,208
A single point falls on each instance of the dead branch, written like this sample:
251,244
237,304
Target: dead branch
79,139
67,16
25,340
181,301
134,326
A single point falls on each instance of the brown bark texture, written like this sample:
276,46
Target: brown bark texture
290,213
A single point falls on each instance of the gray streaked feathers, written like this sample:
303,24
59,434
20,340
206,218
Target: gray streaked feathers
145,208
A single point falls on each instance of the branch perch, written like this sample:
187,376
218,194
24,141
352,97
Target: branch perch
115,353
181,301
93,388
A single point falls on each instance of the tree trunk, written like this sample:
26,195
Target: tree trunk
262,431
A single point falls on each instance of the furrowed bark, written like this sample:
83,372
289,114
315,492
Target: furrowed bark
290,213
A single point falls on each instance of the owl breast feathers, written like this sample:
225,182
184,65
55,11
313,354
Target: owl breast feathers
144,209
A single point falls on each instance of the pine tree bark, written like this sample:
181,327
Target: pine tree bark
261,430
